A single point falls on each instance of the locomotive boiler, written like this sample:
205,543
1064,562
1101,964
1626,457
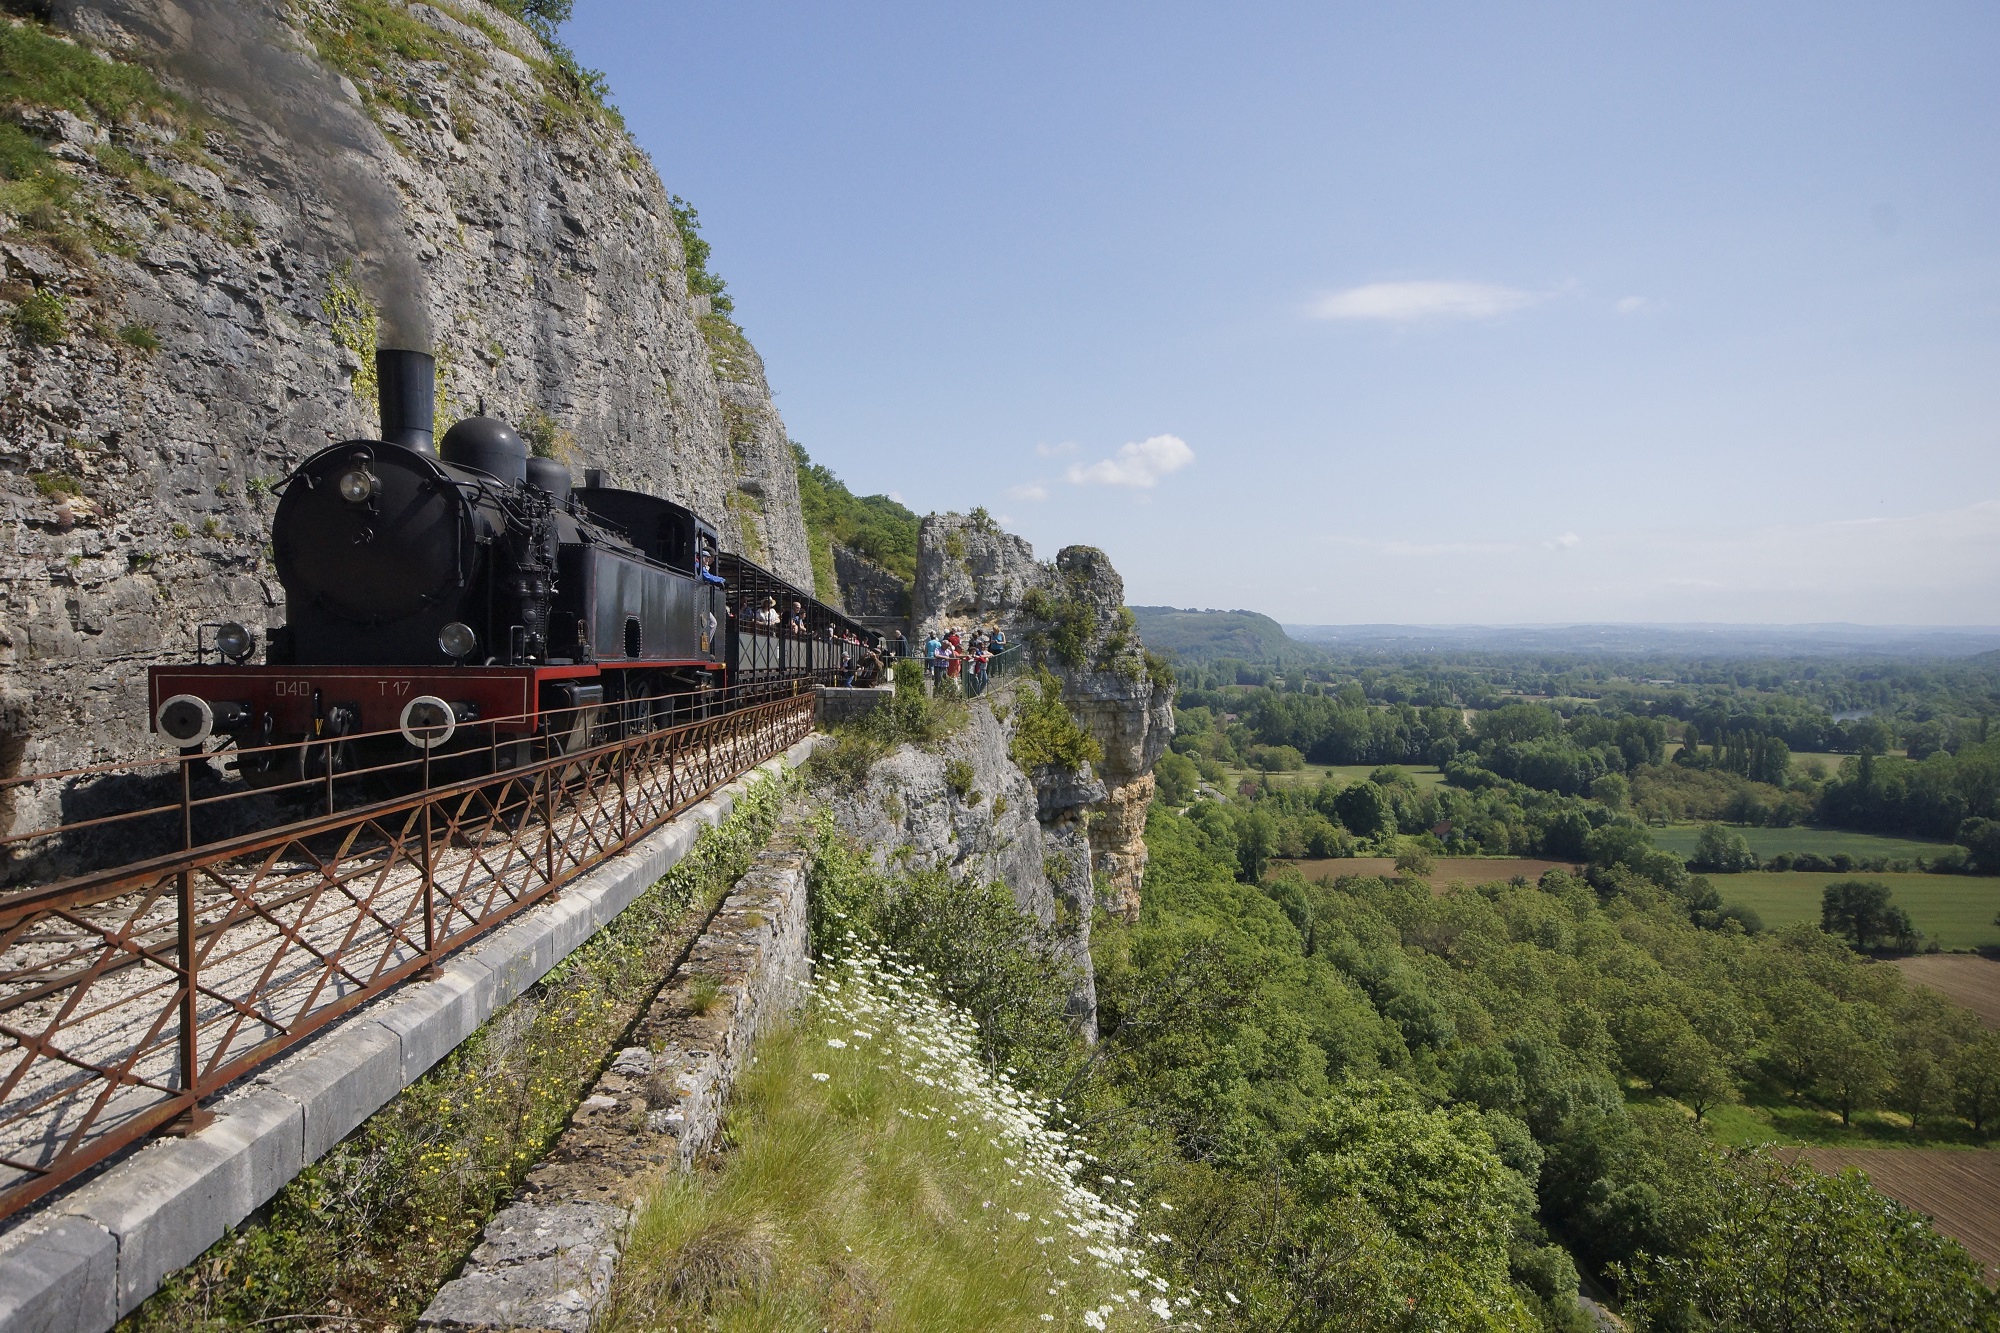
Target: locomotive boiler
431,585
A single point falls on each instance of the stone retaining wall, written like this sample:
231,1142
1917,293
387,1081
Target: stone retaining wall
545,1262
88,1257
834,704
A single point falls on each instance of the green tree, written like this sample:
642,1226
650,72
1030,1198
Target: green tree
1788,1248
1416,864
1981,839
1517,722
1433,1179
1656,1043
1855,1071
1860,911
1365,809
1721,851
1175,779
1803,1048
1256,841
1612,790
1975,1079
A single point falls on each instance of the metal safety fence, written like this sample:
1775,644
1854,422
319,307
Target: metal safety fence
129,993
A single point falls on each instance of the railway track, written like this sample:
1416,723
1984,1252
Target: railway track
129,994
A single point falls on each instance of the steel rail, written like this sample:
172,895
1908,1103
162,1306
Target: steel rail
130,993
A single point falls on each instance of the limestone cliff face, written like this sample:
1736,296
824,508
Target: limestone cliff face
867,590
135,481
970,572
1071,617
1006,827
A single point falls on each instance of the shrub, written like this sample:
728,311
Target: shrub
1276,758
41,320
1416,864
1045,733
989,957
958,776
52,484
140,336
1067,624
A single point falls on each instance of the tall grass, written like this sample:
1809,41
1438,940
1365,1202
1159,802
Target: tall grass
878,1177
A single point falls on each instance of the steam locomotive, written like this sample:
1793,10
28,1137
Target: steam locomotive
430,588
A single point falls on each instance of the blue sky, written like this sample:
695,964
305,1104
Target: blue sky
1426,313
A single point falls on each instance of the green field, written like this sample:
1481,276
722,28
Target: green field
1764,1116
1766,842
1955,910
1313,774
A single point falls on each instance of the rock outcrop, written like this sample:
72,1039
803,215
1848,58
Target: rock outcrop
970,572
203,327
1071,618
995,823
869,592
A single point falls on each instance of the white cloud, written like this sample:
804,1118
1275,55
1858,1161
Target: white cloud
897,496
1032,490
1415,302
1632,305
1569,541
1138,465
1051,450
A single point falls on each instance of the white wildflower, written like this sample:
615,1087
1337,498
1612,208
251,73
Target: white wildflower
836,1043
821,1078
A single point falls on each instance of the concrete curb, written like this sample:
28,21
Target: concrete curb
90,1257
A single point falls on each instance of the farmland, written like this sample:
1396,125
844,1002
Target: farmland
1955,910
1313,774
1964,979
1445,870
1955,1188
1768,842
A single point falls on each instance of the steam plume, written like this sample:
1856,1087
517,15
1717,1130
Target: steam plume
302,128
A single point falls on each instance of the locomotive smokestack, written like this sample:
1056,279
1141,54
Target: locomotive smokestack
408,386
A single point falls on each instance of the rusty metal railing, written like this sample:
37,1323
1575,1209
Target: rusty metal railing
128,994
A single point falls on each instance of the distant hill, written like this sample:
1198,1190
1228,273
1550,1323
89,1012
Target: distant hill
1197,635
1697,640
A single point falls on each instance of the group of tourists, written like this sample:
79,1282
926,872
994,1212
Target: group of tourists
963,659
860,662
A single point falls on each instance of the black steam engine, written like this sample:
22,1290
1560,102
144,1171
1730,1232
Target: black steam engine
428,588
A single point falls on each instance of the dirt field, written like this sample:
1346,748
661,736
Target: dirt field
1956,1189
1962,978
1448,869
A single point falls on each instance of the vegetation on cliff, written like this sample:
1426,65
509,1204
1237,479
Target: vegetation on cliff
873,525
123,113
378,46
1362,1102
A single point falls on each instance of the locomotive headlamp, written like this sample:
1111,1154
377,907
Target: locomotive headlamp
357,485
457,640
233,641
